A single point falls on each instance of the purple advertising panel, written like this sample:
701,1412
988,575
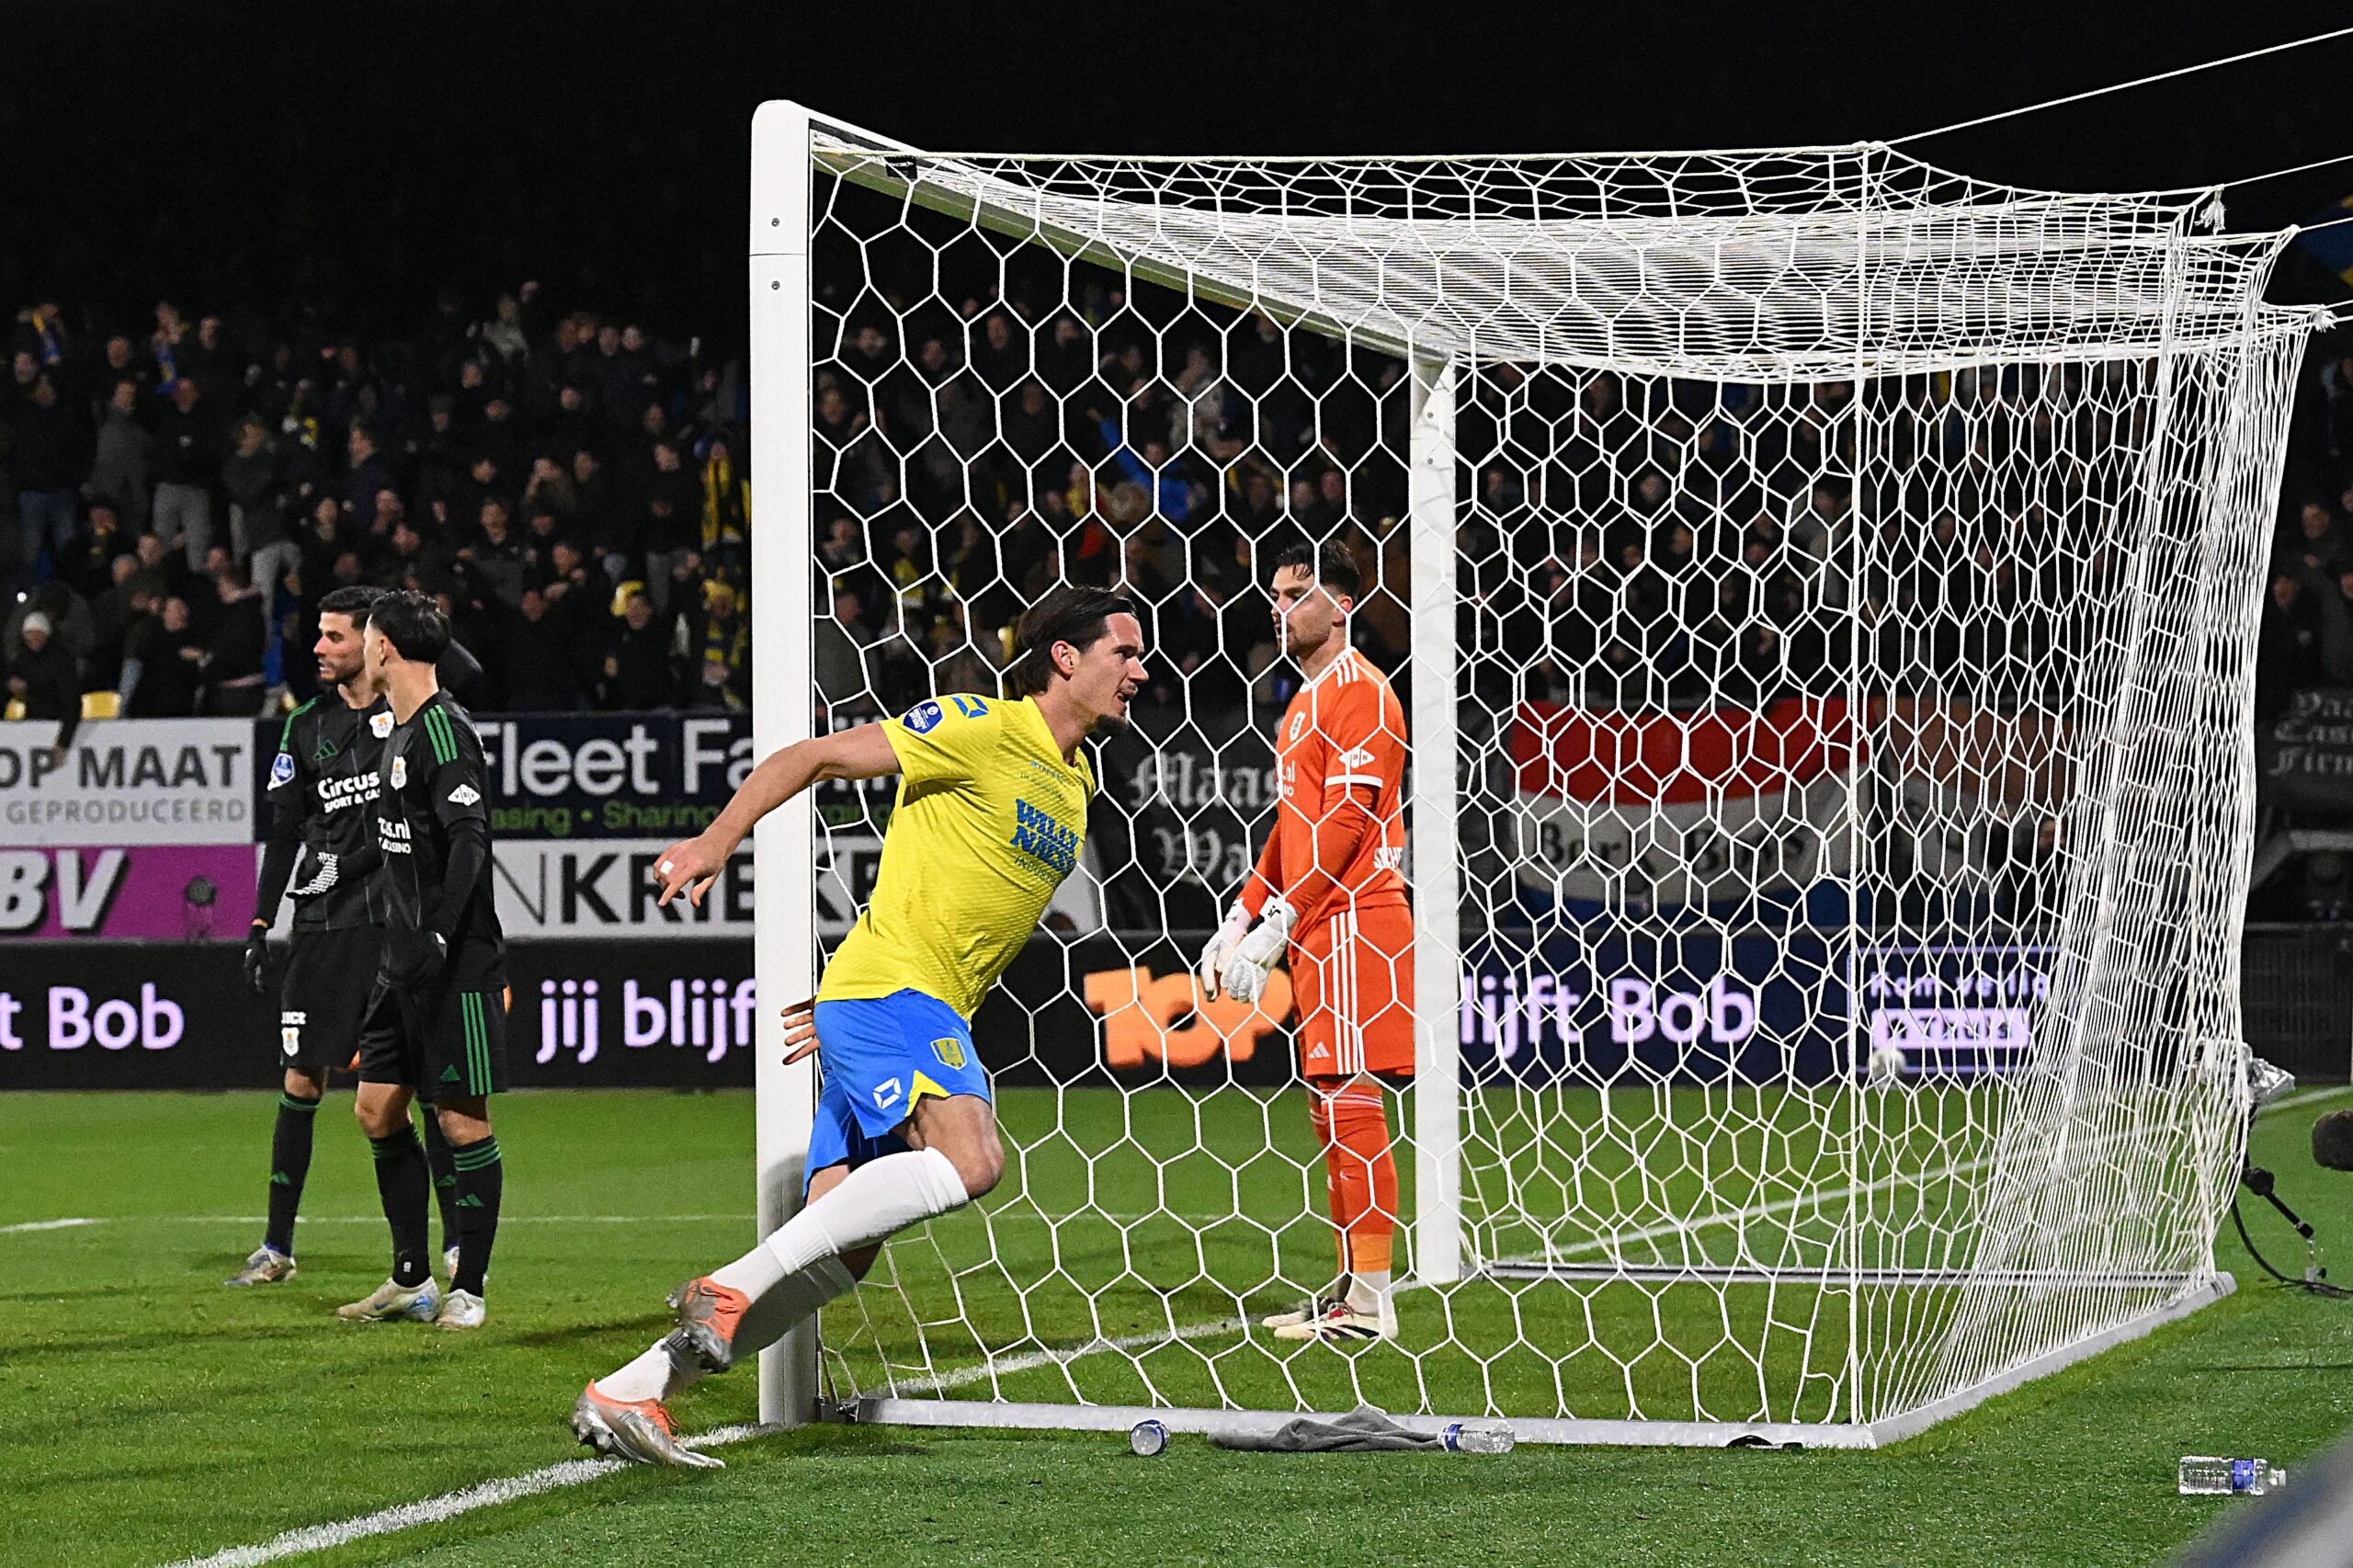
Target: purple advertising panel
171,893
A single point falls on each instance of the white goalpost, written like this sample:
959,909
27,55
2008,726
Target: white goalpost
1823,591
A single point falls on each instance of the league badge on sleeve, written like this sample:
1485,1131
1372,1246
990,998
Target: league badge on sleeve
282,770
923,718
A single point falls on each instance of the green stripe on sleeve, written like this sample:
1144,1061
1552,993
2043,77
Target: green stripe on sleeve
286,735
445,740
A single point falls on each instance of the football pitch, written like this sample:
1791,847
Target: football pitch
149,1416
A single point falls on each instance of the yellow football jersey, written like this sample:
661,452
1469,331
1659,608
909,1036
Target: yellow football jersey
989,820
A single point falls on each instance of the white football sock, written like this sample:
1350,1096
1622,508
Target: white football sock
658,1375
1369,1292
756,1273
879,1198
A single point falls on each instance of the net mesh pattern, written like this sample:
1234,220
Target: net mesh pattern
1849,643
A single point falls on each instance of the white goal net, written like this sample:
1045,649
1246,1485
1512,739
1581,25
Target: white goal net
1821,591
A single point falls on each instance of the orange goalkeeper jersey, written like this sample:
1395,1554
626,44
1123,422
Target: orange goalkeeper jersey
1339,836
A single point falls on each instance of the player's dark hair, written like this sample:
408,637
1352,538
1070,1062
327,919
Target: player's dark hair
412,623
354,600
1069,614
1330,566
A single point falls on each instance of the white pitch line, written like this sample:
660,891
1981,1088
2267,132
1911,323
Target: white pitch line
2306,1096
434,1510
46,1225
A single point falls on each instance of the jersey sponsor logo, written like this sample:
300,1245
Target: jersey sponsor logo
392,836
380,725
1037,835
887,1093
1389,858
923,718
399,772
355,790
281,771
950,1050
971,707
464,795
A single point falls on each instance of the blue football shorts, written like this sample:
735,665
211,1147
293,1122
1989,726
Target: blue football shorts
878,1057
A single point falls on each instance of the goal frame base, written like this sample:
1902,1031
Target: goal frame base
883,1410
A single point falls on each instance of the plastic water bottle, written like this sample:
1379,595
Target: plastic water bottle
2205,1477
1478,1437
1147,1438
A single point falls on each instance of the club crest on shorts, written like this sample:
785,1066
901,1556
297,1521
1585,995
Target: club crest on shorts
289,1039
399,772
950,1050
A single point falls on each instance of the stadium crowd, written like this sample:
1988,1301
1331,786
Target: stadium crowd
572,488
184,487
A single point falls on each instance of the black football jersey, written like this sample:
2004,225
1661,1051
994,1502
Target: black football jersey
433,795
322,787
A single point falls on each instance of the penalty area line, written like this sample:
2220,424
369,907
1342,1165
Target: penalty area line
435,1510
46,1225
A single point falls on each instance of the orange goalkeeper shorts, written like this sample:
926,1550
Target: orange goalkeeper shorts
1353,976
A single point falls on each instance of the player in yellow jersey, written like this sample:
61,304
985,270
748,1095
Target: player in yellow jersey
990,817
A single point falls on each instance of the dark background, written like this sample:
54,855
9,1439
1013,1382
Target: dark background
358,158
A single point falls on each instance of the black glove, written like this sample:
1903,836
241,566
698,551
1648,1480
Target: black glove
426,953
258,959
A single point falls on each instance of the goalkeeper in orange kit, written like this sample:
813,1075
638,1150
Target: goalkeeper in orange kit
1330,889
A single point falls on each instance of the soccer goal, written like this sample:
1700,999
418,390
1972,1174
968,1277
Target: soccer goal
1823,591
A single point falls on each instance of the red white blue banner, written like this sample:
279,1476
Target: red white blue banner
1635,812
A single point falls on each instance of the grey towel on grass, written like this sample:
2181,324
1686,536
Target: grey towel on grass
1358,1432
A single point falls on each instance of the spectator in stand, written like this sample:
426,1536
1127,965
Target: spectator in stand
125,453
2304,641
41,676
236,641
256,506
539,659
495,553
47,457
87,562
843,641
130,597
720,646
2320,544
638,672
367,478
187,464
164,656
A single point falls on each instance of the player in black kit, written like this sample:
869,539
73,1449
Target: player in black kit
321,787
436,1020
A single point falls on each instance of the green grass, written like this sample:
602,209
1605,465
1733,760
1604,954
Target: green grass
146,1415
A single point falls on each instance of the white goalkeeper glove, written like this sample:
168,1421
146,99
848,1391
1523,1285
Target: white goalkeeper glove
1220,948
1255,956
